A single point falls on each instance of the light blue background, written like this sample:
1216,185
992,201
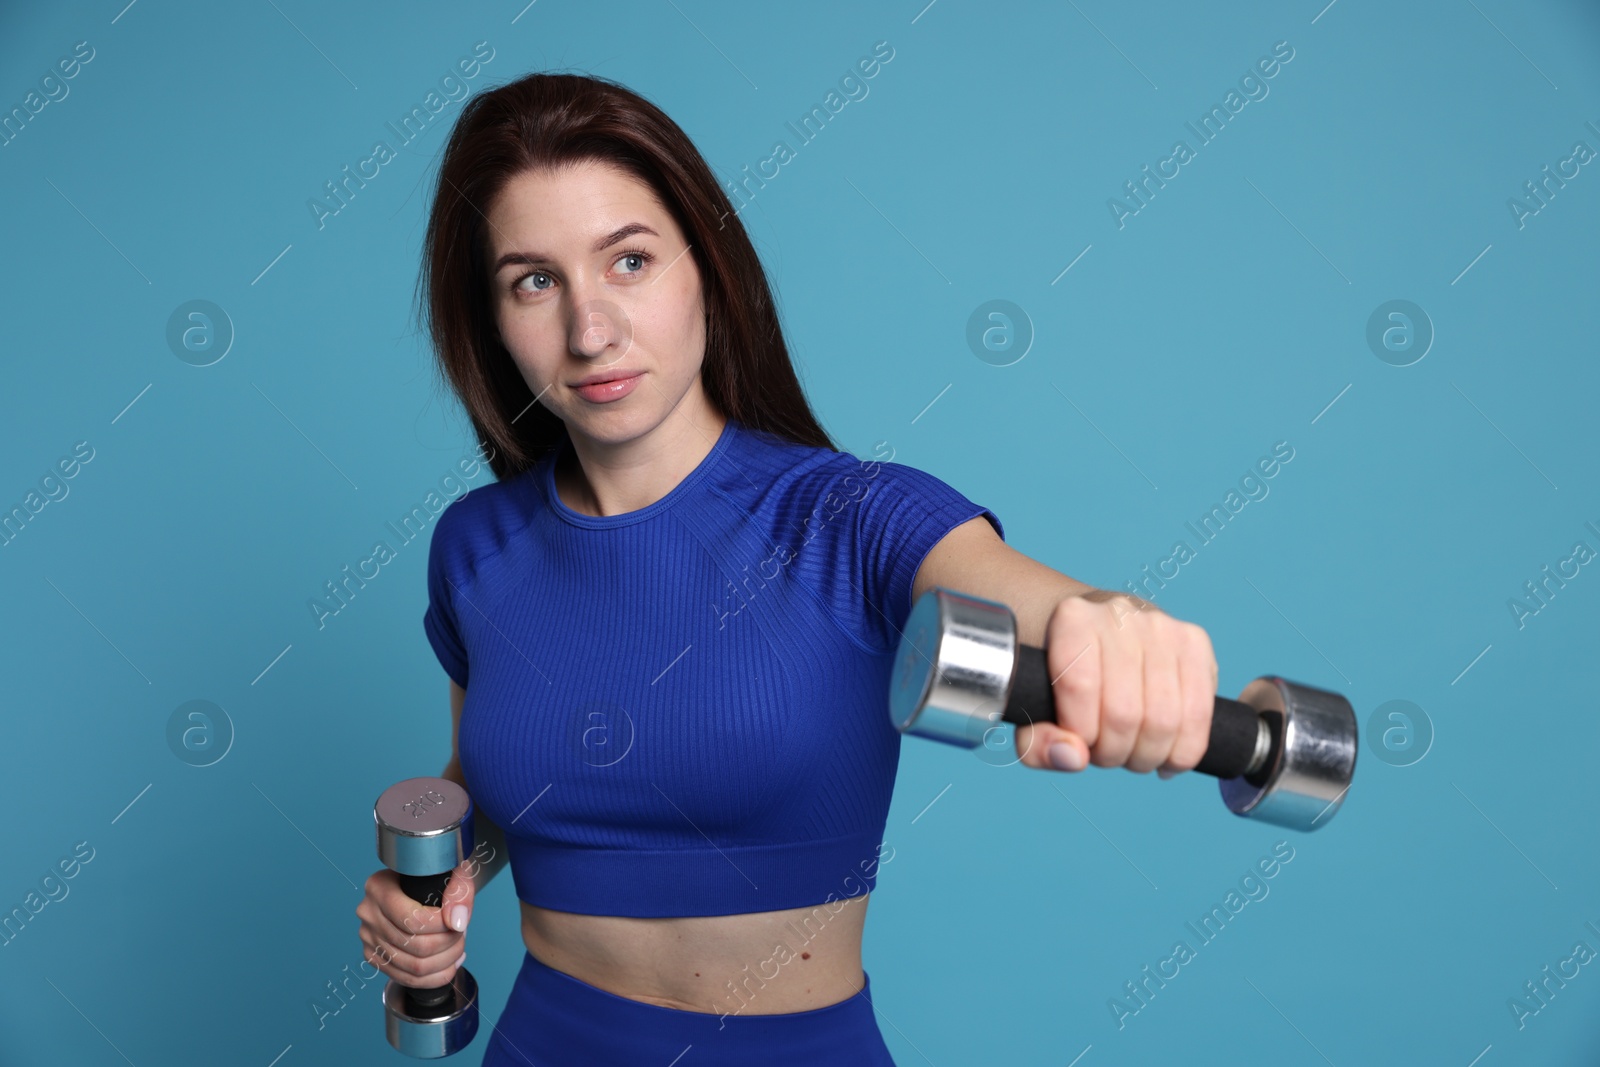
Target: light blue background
1214,324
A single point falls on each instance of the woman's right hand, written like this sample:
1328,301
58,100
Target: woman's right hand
410,942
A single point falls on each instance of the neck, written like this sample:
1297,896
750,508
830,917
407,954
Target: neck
610,478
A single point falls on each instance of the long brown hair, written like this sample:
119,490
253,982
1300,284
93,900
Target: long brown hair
548,120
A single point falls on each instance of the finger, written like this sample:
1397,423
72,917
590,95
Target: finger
422,972
383,928
459,894
1072,656
1197,683
1163,707
1035,744
1122,693
409,914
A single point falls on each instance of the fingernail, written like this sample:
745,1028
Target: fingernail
1064,757
462,960
458,917
1164,773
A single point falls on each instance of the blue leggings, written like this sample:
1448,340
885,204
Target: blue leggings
552,1019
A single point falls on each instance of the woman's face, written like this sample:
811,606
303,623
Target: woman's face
591,276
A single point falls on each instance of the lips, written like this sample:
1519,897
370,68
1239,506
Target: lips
608,376
609,389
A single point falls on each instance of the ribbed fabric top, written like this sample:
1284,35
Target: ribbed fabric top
682,710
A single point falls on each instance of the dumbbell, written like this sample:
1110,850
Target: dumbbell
1284,752
424,832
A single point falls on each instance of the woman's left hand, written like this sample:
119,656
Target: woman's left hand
1134,687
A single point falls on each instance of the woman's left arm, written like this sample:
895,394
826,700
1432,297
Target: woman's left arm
1134,687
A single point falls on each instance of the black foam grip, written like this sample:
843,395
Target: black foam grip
1233,725
428,890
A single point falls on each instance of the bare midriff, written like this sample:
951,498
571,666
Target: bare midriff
758,963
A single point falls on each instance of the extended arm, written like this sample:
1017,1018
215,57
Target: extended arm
1134,687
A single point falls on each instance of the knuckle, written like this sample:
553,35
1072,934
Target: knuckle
1162,719
1072,607
1118,716
1074,683
1106,756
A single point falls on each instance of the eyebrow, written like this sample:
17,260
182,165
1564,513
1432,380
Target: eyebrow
621,233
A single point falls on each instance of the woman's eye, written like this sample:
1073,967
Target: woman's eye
634,261
533,277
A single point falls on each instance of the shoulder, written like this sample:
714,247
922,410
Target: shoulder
477,524
804,488
775,471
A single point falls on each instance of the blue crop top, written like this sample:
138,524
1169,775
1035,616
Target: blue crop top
682,709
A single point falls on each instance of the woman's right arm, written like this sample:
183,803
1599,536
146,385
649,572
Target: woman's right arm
489,853
412,943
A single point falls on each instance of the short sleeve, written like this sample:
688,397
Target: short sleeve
439,621
903,513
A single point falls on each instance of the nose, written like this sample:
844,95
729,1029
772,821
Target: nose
599,330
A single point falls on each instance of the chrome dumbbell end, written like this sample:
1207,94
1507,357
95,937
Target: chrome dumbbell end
424,831
1312,759
1283,753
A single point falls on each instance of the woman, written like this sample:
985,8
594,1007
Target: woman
680,603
